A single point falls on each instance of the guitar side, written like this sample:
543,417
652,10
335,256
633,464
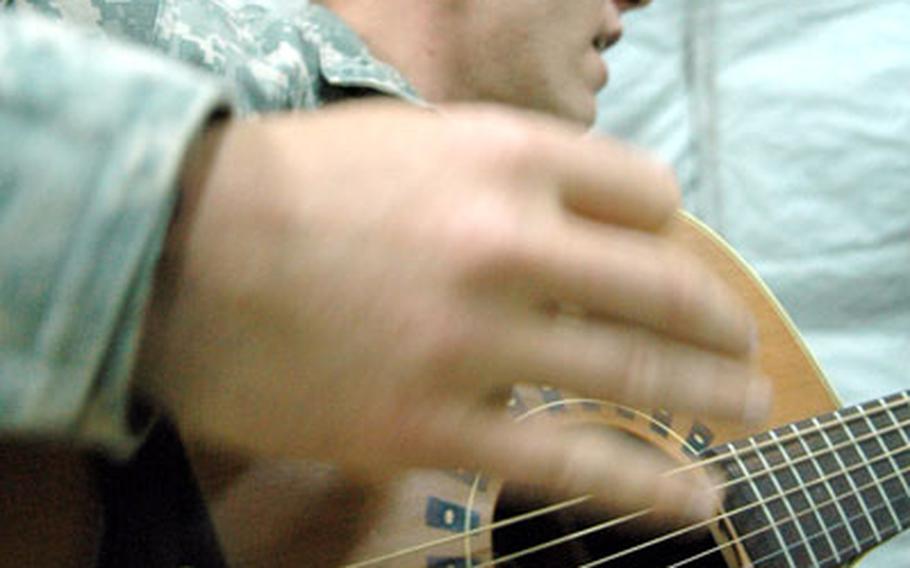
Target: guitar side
800,388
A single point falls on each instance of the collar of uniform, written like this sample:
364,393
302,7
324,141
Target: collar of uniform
345,61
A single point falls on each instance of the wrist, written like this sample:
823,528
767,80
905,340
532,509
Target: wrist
152,381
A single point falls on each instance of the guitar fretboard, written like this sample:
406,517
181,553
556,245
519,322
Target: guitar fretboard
822,491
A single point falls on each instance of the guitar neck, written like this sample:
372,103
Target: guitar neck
821,492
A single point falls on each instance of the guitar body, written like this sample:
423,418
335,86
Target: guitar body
298,514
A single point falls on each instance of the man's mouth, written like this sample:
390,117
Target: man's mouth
600,43
604,41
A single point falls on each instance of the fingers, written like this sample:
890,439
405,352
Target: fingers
631,365
611,182
617,472
596,177
640,279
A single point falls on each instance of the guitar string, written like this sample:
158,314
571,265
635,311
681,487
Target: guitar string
871,541
629,517
856,493
765,558
884,407
764,500
733,482
795,434
473,532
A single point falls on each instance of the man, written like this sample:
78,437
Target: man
363,286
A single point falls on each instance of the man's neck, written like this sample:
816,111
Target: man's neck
414,37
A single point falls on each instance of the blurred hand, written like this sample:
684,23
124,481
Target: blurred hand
363,286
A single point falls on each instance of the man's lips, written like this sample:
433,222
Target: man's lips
601,72
605,39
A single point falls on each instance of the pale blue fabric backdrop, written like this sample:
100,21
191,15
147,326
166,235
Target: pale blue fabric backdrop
789,124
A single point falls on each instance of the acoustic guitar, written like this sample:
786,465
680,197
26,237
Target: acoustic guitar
815,486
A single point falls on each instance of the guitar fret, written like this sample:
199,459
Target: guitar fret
872,542
848,496
859,497
830,486
824,475
799,551
896,443
901,415
880,444
876,468
826,541
893,420
838,466
847,457
823,561
742,500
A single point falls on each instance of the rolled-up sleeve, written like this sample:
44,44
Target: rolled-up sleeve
92,137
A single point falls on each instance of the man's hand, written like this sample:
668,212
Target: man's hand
364,285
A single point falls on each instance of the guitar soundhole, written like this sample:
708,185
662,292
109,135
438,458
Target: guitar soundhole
521,536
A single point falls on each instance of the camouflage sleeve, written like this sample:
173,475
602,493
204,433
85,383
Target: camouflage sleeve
92,136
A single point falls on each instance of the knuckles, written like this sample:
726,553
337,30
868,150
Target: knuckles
450,345
643,367
489,241
502,143
686,286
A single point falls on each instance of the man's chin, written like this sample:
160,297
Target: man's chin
581,111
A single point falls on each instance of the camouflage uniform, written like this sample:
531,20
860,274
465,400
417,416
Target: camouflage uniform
92,133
